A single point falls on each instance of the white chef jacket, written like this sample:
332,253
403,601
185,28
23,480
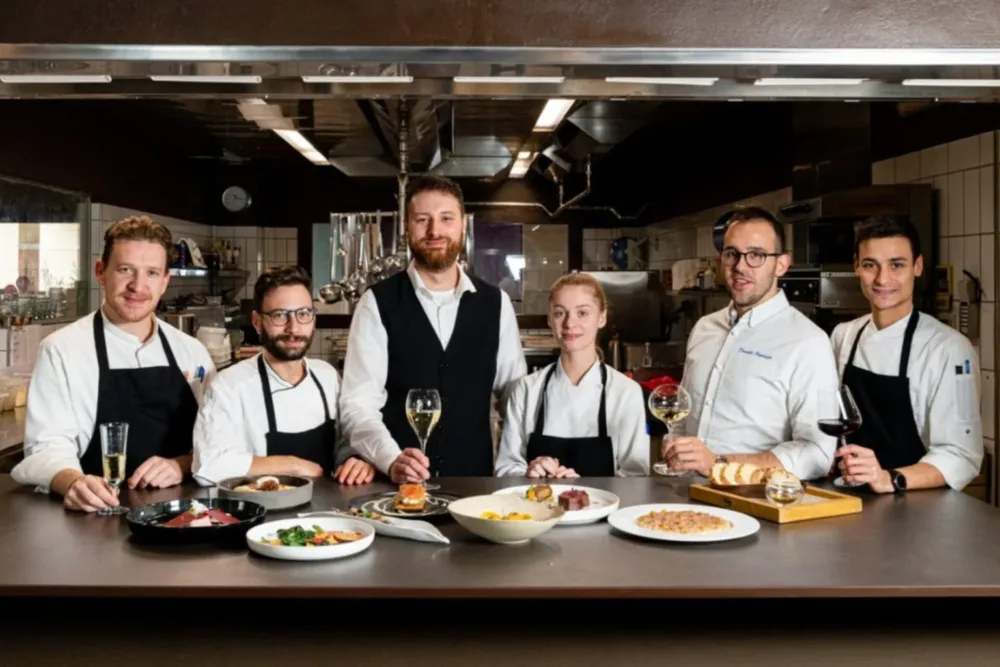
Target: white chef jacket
755,384
572,412
366,365
231,428
945,405
62,395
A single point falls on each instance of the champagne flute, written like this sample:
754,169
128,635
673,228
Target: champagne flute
670,403
423,411
839,416
114,440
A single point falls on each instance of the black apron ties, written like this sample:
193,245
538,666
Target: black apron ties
589,457
316,445
888,425
157,403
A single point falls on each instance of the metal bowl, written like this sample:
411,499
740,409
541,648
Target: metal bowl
146,522
300,493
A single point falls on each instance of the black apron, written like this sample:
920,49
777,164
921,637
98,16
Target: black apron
589,457
157,403
888,426
316,444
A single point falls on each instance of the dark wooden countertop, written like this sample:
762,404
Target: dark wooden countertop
926,544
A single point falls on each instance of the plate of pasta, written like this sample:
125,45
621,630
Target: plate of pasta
681,522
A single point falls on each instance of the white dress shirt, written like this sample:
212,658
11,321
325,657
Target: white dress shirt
755,384
945,405
572,412
62,395
366,365
231,428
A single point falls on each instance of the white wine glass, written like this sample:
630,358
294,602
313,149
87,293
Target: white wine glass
423,411
670,403
114,443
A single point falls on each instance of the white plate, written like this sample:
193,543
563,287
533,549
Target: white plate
602,503
421,531
743,525
330,552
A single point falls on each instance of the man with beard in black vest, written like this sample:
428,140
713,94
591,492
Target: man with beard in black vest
431,327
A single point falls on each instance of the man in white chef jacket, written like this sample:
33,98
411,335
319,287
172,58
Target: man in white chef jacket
431,327
118,364
276,413
915,380
756,368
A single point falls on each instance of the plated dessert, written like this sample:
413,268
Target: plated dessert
274,492
265,483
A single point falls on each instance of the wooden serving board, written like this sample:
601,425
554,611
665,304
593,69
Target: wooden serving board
816,503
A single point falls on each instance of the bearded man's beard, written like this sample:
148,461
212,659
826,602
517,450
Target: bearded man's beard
435,259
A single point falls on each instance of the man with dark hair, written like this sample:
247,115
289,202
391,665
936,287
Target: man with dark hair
915,380
754,368
276,413
431,327
118,364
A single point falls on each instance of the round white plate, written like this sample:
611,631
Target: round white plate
602,503
330,552
743,525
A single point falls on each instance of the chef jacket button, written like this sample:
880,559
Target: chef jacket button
708,401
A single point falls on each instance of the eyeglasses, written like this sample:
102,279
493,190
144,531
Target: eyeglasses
281,317
755,258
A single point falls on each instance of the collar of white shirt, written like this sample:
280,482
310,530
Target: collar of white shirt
280,381
895,330
761,313
464,282
125,336
591,378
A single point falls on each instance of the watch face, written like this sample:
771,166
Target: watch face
898,480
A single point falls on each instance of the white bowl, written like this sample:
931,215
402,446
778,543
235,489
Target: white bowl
468,511
330,552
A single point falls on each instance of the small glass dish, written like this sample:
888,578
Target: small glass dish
784,489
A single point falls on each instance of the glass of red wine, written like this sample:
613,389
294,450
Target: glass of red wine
839,417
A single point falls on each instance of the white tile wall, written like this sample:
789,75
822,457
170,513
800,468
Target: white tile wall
260,249
964,176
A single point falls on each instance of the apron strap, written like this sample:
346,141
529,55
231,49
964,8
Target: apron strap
265,384
904,358
602,416
540,420
171,361
322,394
854,347
100,343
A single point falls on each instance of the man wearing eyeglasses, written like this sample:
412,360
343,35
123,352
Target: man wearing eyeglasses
755,368
276,413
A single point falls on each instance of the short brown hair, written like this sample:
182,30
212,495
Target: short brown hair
433,183
137,228
279,276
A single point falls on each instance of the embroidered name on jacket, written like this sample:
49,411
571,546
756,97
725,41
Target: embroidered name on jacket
755,353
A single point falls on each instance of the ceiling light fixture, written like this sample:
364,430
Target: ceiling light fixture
509,79
794,81
55,78
954,83
269,117
553,113
302,145
357,79
522,164
200,78
664,80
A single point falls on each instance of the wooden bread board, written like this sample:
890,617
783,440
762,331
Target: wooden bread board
816,503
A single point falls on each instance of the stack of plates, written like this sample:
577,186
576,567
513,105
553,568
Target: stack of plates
216,341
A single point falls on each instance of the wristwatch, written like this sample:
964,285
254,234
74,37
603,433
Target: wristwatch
719,458
898,481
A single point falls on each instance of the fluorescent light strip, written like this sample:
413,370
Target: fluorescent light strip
954,83
522,164
357,79
303,146
197,78
553,113
664,80
509,79
792,81
55,78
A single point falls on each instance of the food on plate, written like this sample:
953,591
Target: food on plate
512,516
741,474
410,498
297,536
200,516
686,522
539,492
367,514
573,500
266,483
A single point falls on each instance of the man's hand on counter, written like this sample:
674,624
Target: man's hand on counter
686,452
157,472
354,471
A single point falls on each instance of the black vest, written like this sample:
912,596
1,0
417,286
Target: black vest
461,445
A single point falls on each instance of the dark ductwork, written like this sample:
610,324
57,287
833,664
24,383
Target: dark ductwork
831,148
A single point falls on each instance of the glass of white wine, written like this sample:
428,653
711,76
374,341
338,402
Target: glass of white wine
423,411
670,403
114,441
